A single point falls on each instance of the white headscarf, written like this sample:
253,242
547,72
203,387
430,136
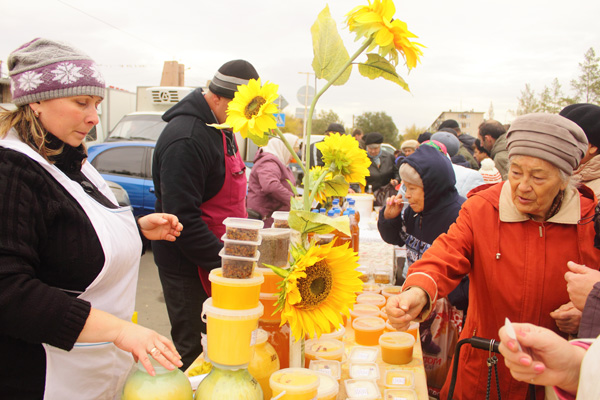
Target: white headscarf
277,147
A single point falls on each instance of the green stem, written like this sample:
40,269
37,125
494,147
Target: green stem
291,149
306,182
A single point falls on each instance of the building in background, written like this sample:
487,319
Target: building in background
469,121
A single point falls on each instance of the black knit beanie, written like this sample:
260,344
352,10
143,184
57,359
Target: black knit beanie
230,76
587,116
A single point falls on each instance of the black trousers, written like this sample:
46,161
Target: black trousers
184,296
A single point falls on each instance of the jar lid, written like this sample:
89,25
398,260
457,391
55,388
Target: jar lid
243,223
328,386
330,347
397,340
238,258
212,311
298,380
369,323
216,276
242,242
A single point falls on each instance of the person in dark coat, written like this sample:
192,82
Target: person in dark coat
268,187
383,167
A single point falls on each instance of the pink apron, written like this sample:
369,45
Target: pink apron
229,202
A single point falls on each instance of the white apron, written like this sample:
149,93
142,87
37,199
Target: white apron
95,370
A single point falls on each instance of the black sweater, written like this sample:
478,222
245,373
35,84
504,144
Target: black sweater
47,243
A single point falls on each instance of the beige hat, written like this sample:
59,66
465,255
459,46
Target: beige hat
550,137
409,144
410,175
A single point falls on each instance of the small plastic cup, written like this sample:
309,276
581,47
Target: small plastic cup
332,368
231,333
366,273
275,247
235,294
242,228
240,248
389,291
399,379
328,387
272,280
397,347
238,267
382,276
298,384
324,349
364,310
371,288
413,329
336,335
395,394
268,301
367,330
363,370
363,389
370,298
280,219
363,354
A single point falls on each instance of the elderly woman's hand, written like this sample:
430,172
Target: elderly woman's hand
580,282
567,318
546,359
393,206
160,226
405,307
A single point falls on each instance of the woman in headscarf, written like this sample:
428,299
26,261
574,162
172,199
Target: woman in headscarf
514,241
269,184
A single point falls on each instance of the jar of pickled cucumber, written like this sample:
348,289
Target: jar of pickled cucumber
172,385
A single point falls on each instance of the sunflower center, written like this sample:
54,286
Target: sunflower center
315,288
254,107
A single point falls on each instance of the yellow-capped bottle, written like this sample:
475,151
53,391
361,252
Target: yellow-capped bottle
264,362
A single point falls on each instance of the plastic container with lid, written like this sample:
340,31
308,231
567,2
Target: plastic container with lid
275,247
367,330
371,288
238,267
363,389
413,329
268,300
235,294
363,354
332,368
280,219
382,276
324,349
400,394
337,335
363,203
242,228
264,362
328,387
240,248
399,379
272,280
140,385
364,310
231,333
298,384
366,273
389,291
362,370
371,298
397,347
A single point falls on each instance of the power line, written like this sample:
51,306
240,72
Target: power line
114,27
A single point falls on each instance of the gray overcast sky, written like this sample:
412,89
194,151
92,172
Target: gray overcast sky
478,52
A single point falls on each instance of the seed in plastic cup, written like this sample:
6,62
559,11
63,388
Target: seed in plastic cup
242,228
240,248
237,267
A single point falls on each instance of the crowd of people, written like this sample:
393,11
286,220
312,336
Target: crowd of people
500,226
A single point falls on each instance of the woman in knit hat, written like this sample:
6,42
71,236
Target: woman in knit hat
514,240
69,255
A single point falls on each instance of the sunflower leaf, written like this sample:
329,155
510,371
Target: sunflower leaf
305,221
328,48
279,271
377,66
337,187
219,126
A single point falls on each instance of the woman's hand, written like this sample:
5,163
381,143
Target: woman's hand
405,307
160,226
580,282
567,318
553,361
393,206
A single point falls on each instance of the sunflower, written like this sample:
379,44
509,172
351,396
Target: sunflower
320,193
251,111
350,160
321,286
377,20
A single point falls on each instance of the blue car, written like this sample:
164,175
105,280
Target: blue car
129,164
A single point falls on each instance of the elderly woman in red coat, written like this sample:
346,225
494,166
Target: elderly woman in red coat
514,239
268,187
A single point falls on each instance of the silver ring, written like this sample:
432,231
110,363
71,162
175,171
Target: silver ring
153,350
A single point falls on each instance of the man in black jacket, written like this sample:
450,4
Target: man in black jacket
199,176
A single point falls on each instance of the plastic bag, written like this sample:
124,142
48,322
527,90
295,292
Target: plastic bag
439,335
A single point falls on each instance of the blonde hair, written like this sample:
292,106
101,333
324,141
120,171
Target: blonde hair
29,129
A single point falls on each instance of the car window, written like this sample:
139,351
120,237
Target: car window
138,127
121,161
